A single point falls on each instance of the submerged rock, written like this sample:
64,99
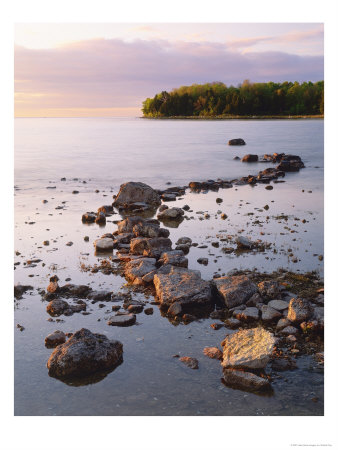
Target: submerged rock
104,244
235,290
136,192
244,380
175,258
190,362
84,353
238,141
248,349
250,158
123,320
184,286
21,289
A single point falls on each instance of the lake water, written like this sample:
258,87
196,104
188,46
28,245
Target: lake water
104,153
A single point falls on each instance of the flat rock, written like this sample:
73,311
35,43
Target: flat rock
175,258
183,285
238,141
235,290
289,330
280,305
84,353
170,213
137,268
270,314
124,320
244,380
250,349
282,323
104,244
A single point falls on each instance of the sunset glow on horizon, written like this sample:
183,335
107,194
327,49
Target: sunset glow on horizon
84,70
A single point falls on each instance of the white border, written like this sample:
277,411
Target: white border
164,433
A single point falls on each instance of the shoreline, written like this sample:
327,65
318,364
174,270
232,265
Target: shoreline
267,117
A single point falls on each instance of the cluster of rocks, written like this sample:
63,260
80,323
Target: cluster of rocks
100,216
286,163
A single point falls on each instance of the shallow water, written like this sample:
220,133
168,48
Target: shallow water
107,152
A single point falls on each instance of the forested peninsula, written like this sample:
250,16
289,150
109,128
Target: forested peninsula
247,100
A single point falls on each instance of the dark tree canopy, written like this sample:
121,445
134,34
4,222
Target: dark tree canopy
248,99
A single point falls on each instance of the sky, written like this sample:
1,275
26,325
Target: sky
85,70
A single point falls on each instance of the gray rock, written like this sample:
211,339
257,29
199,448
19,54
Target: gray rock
137,268
134,192
104,244
244,243
282,323
175,258
244,380
183,285
269,314
299,310
248,349
203,261
84,353
184,240
124,320
192,363
288,330
170,213
280,305
175,309
235,290
270,289
238,141
248,314
232,323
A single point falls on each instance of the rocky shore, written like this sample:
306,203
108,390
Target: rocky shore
279,316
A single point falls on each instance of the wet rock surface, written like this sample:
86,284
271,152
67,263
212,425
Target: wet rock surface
84,353
235,290
245,380
136,192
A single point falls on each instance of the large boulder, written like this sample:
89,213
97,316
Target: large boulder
235,290
136,192
238,141
248,349
184,286
84,353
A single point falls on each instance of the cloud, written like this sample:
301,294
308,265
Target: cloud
111,73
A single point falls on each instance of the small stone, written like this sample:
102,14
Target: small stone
148,311
54,339
213,353
190,362
122,320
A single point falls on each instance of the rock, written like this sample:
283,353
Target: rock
106,209
54,339
250,158
167,197
280,305
254,300
244,243
170,213
136,309
137,268
183,285
124,320
318,315
84,353
218,314
238,141
244,380
299,310
213,352
248,314
100,218
163,207
175,258
186,207
75,290
184,240
288,330
250,349
149,311
175,309
88,217
217,326
269,188
183,247
232,323
190,362
224,216
53,287
189,317
20,289
104,244
235,290
269,314
282,323
57,307
157,246
203,261
134,192
270,289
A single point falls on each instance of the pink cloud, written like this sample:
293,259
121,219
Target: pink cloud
114,73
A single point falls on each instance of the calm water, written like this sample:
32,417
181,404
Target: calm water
105,153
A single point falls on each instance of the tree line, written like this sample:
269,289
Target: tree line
247,99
